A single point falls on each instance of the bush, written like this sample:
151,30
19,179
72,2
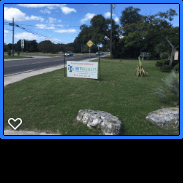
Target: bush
172,83
9,52
176,68
175,62
159,63
167,62
164,55
166,68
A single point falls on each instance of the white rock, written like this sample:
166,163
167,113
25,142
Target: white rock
109,124
167,118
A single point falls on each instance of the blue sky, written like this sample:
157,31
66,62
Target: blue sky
61,23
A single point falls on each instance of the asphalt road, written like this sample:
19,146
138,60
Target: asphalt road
18,66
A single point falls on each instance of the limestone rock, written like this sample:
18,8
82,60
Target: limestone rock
109,124
166,118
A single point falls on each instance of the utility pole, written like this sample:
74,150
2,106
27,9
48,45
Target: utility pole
111,34
13,39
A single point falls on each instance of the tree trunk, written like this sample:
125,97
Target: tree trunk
172,53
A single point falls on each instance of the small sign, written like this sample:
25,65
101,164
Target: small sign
82,69
22,43
89,43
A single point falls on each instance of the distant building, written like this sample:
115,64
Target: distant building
145,55
176,55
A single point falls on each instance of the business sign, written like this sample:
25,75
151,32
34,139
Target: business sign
22,43
82,69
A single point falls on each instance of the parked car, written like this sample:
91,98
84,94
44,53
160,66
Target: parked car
69,53
99,53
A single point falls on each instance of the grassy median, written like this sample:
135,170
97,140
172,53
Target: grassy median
50,102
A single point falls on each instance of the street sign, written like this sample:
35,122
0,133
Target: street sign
89,43
22,43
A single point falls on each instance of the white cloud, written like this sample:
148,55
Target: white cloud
116,19
108,15
10,13
6,31
43,26
45,11
87,17
54,40
60,25
51,20
67,10
32,17
59,20
28,36
50,6
66,31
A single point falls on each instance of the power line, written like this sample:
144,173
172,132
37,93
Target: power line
36,33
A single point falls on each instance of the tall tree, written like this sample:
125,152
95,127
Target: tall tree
129,15
98,28
154,29
45,46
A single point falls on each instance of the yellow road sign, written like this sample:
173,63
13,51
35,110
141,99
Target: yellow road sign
89,43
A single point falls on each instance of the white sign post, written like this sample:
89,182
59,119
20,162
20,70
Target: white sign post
22,45
82,69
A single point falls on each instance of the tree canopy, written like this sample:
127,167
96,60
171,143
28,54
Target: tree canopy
152,31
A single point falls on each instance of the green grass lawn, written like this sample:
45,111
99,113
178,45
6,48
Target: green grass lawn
50,102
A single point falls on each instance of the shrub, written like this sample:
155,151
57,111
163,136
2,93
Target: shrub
172,83
140,70
159,63
175,62
166,68
9,52
176,68
167,62
164,55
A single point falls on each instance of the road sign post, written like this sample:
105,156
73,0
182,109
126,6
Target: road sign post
22,45
89,54
89,43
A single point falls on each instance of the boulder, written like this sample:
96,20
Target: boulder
166,118
109,124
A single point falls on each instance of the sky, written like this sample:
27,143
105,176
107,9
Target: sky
60,23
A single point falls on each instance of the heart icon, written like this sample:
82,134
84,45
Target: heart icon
15,121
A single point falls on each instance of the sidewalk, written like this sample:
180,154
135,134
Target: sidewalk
20,76
28,58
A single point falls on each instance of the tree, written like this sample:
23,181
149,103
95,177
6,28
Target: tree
129,15
33,46
69,48
154,30
45,46
5,47
99,28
